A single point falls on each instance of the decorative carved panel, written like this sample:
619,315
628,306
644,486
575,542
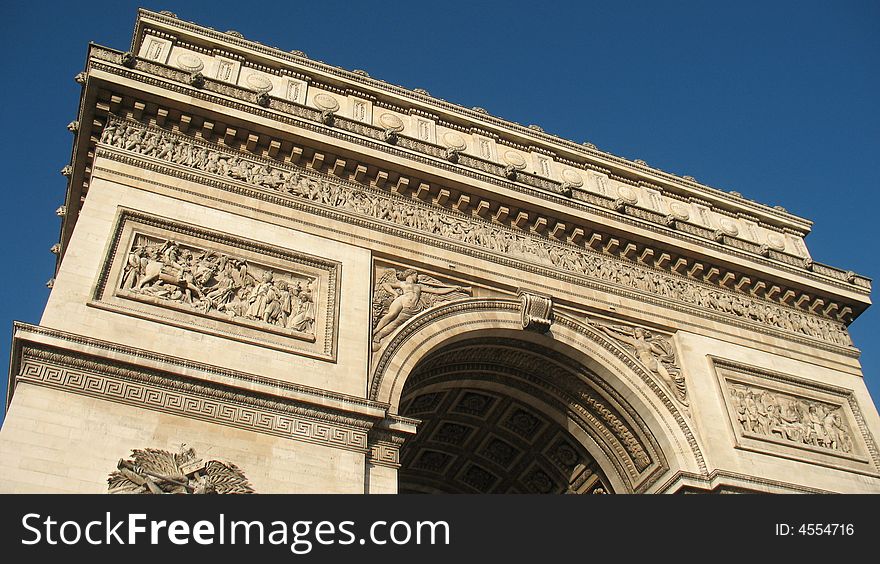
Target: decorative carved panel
155,471
654,350
792,417
216,283
399,294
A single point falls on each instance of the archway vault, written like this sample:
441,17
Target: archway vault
573,375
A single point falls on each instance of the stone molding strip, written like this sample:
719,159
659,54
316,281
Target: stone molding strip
738,483
25,333
112,381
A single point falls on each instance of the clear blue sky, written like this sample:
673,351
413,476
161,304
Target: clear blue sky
777,100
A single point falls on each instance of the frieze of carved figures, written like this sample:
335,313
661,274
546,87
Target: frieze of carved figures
154,471
401,294
653,350
219,284
790,418
467,230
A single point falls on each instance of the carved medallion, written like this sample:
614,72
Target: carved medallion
627,194
454,141
190,63
258,82
679,211
514,159
391,121
154,471
326,102
572,178
729,227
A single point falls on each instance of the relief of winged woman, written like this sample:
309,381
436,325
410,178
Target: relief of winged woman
401,295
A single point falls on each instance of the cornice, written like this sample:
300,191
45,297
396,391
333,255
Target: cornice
25,334
421,152
72,363
718,480
275,59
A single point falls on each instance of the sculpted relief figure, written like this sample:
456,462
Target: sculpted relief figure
789,418
654,351
400,295
474,232
164,275
154,471
218,284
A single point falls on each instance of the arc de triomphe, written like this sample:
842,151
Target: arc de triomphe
276,275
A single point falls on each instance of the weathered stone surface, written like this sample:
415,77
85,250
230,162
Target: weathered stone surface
341,288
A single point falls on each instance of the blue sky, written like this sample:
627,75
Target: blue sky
776,100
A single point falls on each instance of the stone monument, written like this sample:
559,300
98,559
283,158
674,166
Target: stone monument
276,275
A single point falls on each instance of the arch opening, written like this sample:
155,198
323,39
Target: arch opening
504,415
574,375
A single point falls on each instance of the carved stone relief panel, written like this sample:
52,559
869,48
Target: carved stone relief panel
399,294
295,90
796,418
155,49
654,350
225,69
220,284
155,471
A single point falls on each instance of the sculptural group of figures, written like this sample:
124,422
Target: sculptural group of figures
807,422
213,282
468,230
